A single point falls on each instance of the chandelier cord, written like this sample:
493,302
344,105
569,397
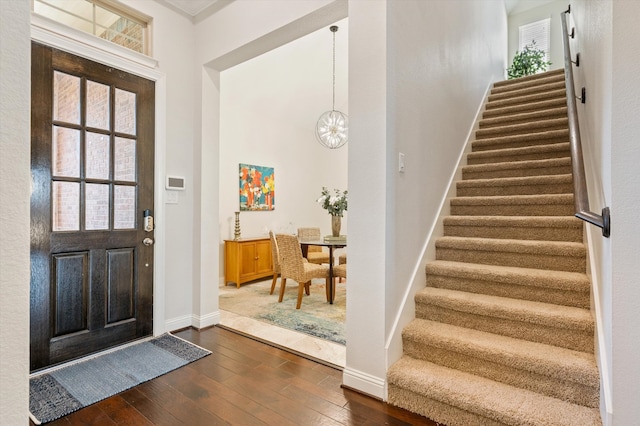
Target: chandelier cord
334,29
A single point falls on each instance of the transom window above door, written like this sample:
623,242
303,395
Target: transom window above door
103,18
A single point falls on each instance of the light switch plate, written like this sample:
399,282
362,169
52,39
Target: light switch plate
171,197
401,162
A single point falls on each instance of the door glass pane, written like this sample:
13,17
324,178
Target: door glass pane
97,105
97,156
125,112
65,203
66,152
125,160
124,207
96,206
66,97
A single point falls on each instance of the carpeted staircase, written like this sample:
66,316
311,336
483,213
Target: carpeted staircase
503,333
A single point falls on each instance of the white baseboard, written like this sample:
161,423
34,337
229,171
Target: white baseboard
178,323
207,320
194,321
363,382
601,350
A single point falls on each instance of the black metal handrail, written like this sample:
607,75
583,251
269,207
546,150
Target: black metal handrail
581,196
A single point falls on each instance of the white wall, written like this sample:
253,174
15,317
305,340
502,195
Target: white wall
625,203
15,189
369,202
548,10
624,184
434,81
438,81
174,48
269,106
593,23
608,41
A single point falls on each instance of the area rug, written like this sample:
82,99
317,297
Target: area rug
315,317
59,392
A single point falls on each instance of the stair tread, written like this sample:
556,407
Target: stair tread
513,181
527,127
573,281
523,90
540,358
510,110
506,165
557,112
535,78
514,199
527,99
558,146
485,397
547,134
546,314
561,248
524,221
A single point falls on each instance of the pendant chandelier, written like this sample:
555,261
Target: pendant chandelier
333,126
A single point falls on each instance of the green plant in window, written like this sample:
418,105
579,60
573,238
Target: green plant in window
528,62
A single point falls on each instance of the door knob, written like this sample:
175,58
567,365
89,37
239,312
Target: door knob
147,241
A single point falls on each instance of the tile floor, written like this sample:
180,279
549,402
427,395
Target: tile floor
321,350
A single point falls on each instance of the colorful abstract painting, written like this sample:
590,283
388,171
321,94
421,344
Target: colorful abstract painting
257,188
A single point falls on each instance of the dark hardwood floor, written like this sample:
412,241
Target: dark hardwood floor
243,382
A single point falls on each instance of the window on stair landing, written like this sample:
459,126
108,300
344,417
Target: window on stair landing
539,32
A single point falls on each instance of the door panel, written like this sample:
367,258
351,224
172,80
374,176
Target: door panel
92,169
120,285
71,290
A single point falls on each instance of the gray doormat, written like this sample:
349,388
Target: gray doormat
56,393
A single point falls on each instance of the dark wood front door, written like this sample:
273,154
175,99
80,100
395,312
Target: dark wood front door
92,164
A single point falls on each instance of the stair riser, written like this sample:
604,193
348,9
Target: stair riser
489,191
541,260
578,340
436,410
516,142
513,210
513,290
554,387
515,172
521,100
517,131
536,79
514,232
540,89
514,119
509,111
493,157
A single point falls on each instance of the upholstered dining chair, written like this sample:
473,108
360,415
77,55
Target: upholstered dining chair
315,254
340,272
275,256
293,266
342,260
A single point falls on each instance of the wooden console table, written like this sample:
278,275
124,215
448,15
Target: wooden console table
247,259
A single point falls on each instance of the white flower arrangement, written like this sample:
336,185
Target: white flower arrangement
335,204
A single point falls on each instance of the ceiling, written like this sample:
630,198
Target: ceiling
517,6
198,9
191,7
